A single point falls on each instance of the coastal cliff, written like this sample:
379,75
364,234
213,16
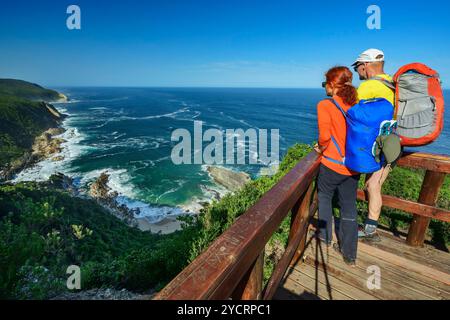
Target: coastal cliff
28,125
30,91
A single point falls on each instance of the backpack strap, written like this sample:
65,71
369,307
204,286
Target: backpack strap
339,107
342,162
387,83
339,151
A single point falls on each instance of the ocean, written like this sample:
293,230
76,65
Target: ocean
126,132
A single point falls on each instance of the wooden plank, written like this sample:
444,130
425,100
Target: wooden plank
420,255
409,206
396,283
417,267
427,161
405,263
411,280
428,195
295,291
312,285
428,252
217,271
357,278
317,273
284,294
298,228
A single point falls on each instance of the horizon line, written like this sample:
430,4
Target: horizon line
174,87
186,87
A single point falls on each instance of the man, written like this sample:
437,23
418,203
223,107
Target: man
377,84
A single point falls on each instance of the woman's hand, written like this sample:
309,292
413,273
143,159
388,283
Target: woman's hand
318,148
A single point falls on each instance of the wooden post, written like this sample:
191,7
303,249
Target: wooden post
250,287
428,195
300,213
299,226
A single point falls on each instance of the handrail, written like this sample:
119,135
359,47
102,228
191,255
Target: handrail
428,161
437,167
218,270
232,265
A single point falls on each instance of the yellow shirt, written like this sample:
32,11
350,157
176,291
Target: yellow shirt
371,89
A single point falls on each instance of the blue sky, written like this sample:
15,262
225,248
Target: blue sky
230,43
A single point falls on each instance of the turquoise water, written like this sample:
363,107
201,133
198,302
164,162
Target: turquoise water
127,132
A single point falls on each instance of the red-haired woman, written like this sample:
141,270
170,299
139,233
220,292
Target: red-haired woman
334,176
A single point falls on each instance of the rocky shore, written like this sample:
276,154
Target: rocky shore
44,146
99,190
62,98
102,193
49,145
230,179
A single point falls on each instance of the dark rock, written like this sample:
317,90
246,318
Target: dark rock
61,181
102,193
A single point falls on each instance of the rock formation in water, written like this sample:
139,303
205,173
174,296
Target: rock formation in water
102,193
46,144
228,178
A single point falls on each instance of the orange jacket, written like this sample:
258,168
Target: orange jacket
331,122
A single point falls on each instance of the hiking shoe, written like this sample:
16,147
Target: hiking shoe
337,248
368,236
350,262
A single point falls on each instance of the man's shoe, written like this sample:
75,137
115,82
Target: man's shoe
372,236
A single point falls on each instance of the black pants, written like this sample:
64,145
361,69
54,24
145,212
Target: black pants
328,183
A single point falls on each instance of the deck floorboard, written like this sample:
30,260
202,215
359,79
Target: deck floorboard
322,274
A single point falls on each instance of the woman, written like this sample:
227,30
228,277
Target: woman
334,176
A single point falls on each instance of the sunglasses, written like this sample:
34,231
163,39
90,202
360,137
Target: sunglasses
357,66
324,84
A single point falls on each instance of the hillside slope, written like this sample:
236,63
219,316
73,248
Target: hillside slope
22,119
27,90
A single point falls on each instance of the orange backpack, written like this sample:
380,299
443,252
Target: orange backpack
419,104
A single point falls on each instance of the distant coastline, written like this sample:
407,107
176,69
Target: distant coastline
54,148
96,140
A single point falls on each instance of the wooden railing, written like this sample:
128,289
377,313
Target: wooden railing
232,266
436,168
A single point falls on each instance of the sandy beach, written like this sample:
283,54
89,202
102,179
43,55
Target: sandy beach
165,226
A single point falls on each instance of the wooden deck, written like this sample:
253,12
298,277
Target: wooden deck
407,273
232,266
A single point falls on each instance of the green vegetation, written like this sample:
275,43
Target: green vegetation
20,122
21,119
44,230
406,183
26,90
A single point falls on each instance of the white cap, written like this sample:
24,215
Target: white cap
370,55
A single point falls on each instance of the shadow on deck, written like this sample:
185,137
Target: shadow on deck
406,273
